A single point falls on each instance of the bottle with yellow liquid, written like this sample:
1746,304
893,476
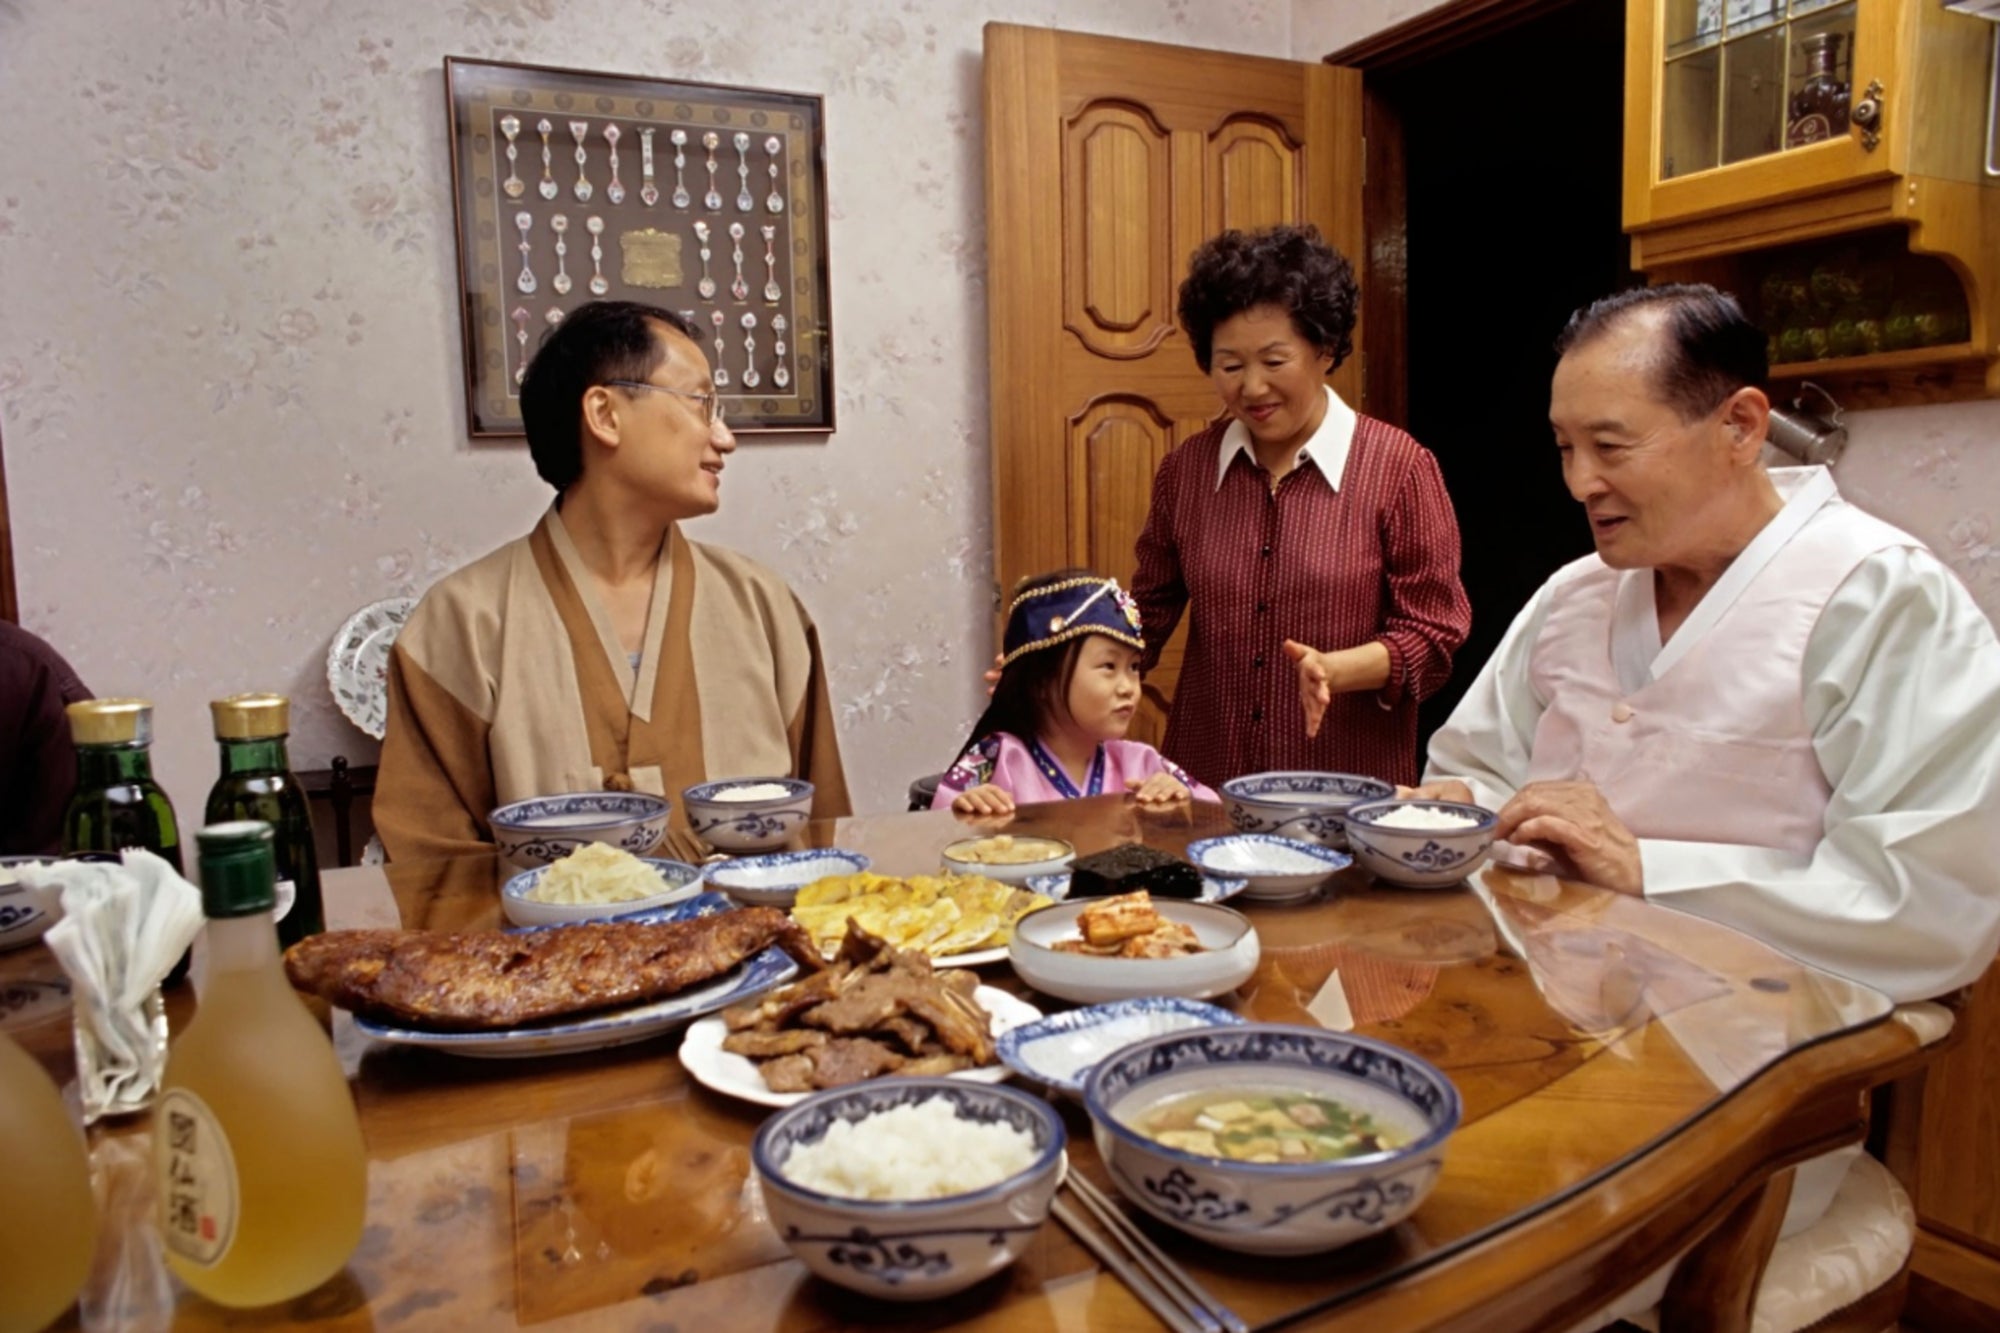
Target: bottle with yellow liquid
49,1226
257,1150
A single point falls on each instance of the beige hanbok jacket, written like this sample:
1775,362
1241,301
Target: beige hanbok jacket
508,682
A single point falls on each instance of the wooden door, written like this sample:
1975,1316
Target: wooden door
1107,163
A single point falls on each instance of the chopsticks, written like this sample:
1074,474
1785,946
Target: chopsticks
1183,1304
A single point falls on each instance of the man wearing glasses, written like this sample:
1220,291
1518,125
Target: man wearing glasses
604,650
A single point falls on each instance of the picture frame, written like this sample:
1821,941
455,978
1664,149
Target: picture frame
590,204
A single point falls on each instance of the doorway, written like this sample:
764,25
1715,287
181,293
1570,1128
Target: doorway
1511,152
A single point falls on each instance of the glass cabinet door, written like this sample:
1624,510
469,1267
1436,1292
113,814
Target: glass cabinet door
1743,78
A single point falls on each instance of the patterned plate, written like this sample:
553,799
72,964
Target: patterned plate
357,662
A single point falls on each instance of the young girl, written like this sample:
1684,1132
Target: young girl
1069,685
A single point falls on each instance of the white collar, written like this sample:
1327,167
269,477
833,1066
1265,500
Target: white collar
1637,654
1326,450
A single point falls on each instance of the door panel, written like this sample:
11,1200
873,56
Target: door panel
1107,163
1119,292
1256,175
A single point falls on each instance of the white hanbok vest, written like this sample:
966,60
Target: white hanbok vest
1714,746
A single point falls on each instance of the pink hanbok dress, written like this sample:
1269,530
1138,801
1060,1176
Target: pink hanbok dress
1029,774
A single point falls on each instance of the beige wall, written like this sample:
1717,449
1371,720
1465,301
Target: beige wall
230,363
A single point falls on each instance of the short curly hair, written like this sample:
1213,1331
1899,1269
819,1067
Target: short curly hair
597,342
1290,267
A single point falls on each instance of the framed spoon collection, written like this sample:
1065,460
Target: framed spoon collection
572,186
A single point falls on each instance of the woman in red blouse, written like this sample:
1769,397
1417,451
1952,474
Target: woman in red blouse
1315,547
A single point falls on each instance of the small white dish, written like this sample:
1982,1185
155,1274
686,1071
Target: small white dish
678,881
1420,858
1214,888
774,879
1229,955
1060,1051
612,1027
736,1075
958,859
1275,869
357,662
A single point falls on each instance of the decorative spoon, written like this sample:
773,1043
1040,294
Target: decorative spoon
513,185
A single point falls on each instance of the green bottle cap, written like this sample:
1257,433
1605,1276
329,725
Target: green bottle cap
238,872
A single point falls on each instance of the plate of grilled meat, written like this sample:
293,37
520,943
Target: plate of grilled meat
553,989
874,1010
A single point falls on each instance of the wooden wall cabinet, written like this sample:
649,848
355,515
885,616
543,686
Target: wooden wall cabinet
1730,179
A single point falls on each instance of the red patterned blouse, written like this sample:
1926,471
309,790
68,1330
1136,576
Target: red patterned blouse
1377,559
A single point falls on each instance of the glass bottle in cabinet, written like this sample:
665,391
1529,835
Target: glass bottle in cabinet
1819,107
1747,78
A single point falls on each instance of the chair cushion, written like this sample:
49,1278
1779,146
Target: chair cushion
1861,1243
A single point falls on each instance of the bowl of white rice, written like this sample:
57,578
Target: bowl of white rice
910,1188
748,814
1420,844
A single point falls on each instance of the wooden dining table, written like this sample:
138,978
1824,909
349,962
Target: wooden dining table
1633,1080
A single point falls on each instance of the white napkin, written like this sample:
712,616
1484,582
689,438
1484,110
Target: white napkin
123,929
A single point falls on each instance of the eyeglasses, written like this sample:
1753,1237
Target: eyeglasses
711,404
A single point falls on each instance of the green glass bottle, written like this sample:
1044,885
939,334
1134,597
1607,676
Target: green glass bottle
117,804
257,783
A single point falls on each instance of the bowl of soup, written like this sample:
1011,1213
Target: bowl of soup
545,829
748,814
1302,805
1419,844
1271,1139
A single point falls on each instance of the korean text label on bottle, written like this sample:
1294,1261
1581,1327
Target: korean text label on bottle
197,1178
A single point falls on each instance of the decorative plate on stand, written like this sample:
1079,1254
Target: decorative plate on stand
357,662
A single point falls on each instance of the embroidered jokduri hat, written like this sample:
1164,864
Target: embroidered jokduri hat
1062,611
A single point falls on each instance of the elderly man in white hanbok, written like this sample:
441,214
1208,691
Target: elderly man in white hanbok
1754,703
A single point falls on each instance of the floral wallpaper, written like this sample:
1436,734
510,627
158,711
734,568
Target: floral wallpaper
230,365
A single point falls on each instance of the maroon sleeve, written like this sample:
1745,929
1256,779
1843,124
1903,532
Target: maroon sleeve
1428,614
40,757
1157,585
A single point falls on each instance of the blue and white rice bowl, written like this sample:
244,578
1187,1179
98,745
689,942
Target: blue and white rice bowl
1305,806
1058,1051
1274,869
542,829
910,1250
775,878
1275,1207
25,914
762,825
678,881
1420,858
